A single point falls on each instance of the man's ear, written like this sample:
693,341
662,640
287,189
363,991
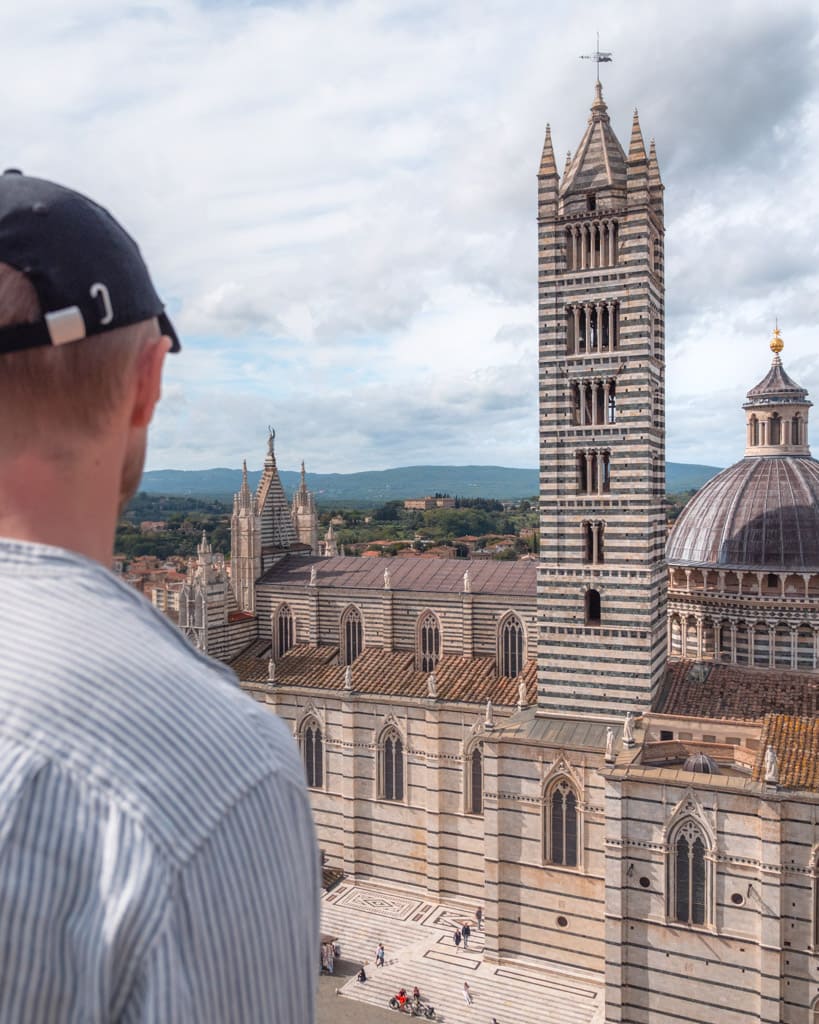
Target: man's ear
148,380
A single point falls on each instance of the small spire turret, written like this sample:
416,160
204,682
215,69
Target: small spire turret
548,167
637,147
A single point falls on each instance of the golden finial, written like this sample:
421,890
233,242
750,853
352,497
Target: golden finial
777,344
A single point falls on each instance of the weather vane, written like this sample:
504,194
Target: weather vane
599,57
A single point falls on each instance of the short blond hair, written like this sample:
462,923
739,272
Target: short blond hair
73,388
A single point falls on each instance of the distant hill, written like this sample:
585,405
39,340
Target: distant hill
377,486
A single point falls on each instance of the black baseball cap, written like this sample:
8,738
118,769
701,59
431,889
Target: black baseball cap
87,271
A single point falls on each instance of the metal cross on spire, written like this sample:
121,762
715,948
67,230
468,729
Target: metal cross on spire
599,57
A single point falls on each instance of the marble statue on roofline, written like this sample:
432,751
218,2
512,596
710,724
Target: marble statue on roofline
271,670
432,685
348,677
521,694
467,583
628,730
387,579
609,745
490,716
313,575
771,766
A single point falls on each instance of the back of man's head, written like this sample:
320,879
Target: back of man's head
76,307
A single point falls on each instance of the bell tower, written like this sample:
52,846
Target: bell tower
601,578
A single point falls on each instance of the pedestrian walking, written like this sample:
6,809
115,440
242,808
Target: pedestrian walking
466,931
456,938
467,994
379,955
479,922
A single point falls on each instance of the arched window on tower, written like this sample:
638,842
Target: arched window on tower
352,635
312,747
592,608
510,644
689,889
796,429
560,825
775,429
814,1013
284,637
593,542
754,431
392,766
611,411
428,642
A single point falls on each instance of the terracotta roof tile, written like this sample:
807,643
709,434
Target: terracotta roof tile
796,742
730,691
391,673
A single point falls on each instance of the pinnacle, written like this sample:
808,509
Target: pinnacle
653,165
637,148
548,168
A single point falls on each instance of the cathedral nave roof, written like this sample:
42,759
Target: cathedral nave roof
435,575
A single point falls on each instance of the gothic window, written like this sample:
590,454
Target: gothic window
511,647
429,642
814,1013
351,635
392,766
560,830
283,640
775,430
313,753
474,780
592,607
688,875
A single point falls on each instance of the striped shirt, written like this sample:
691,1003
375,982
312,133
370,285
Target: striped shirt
157,853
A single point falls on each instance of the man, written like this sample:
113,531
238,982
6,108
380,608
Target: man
157,853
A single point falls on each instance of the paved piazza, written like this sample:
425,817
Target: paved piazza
417,937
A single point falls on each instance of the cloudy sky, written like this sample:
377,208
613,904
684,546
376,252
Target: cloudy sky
337,201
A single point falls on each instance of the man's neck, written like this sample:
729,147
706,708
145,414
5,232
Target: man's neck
70,503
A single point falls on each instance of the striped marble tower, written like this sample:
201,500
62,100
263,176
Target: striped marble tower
601,582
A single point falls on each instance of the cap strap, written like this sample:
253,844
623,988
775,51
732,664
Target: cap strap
20,336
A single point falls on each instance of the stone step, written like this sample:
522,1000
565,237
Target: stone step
417,937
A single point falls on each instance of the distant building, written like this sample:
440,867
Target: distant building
153,526
423,504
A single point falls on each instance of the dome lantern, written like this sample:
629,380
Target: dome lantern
776,411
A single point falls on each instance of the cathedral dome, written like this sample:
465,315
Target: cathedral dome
762,513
